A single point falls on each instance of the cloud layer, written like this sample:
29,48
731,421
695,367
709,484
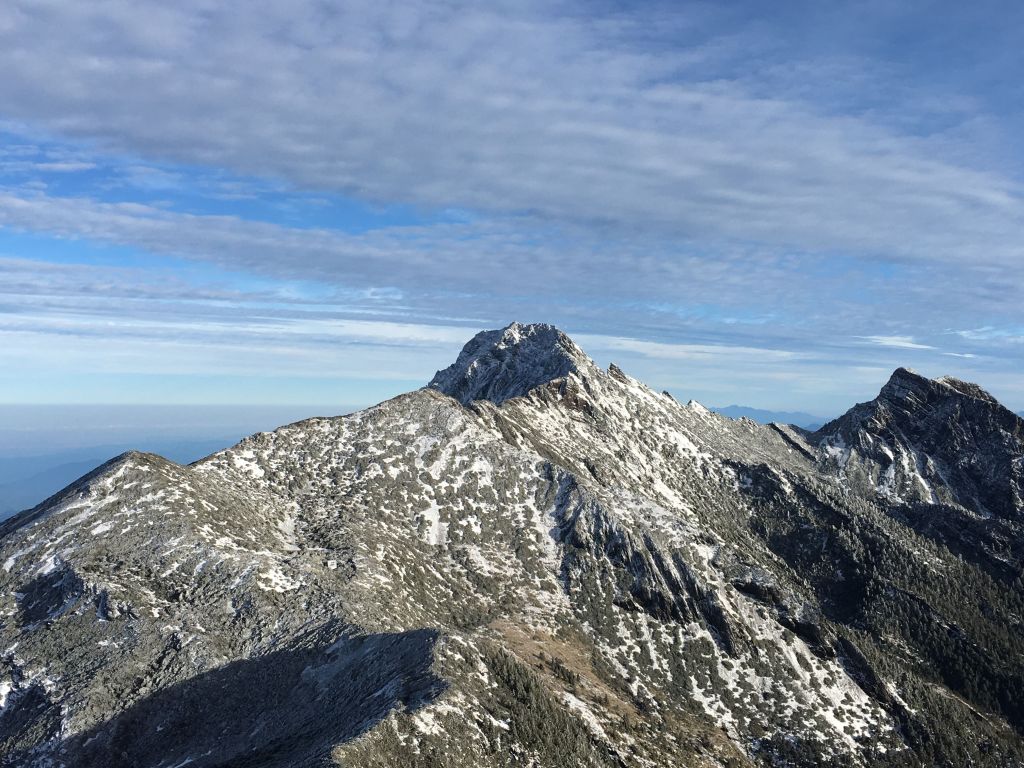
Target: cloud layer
805,188
584,118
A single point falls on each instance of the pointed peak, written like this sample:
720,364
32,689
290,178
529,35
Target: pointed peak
902,382
615,372
506,363
907,375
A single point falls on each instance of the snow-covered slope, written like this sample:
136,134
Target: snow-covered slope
531,561
934,440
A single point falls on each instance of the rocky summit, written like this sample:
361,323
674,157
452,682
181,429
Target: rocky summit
533,561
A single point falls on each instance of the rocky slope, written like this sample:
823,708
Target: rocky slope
533,561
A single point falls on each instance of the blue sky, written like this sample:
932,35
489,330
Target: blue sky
308,202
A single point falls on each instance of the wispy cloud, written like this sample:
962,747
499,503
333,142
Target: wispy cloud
750,356
568,115
991,333
67,166
899,342
713,189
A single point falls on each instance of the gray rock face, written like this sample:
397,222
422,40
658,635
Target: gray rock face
943,456
499,365
943,440
532,561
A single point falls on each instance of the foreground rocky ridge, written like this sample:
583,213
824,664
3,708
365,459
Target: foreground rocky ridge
533,561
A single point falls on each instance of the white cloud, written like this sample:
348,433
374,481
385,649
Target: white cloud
899,342
648,176
65,166
992,334
572,116
689,352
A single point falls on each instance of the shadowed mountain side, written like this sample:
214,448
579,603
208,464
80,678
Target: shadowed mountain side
289,707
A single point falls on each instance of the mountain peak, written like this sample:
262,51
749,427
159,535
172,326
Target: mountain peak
502,364
327,565
933,441
903,380
905,383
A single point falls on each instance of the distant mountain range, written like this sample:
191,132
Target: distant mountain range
799,418
534,561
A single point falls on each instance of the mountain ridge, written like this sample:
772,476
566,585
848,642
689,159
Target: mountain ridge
604,576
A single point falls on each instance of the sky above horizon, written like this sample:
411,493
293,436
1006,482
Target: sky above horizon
309,202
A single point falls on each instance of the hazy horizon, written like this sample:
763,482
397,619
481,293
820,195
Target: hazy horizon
687,371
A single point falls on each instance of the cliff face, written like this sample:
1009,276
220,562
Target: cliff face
935,441
533,561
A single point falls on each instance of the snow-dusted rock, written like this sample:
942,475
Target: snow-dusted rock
531,561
